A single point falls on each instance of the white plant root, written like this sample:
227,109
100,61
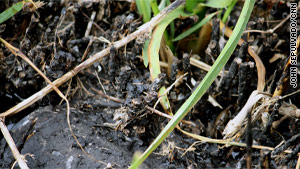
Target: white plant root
235,124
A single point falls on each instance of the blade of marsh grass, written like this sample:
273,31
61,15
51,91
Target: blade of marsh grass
156,10
153,50
195,27
10,12
144,9
164,101
145,53
191,4
217,3
172,30
154,7
228,11
162,4
168,41
172,24
136,156
155,41
206,82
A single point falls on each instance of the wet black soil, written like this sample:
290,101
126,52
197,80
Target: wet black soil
45,134
112,131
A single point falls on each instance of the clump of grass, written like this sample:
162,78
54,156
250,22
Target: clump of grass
153,48
144,9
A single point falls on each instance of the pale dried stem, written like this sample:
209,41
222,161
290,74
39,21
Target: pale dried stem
298,162
264,107
99,92
168,89
269,30
203,66
168,116
194,62
234,125
226,142
20,158
90,24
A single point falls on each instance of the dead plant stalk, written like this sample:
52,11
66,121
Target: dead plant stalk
20,158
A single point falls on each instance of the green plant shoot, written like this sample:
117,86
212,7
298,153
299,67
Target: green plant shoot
10,12
217,3
228,11
153,50
144,9
195,27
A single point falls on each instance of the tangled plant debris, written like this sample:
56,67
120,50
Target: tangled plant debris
113,99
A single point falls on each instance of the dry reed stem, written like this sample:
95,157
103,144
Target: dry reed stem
168,116
298,162
269,30
20,158
201,65
226,142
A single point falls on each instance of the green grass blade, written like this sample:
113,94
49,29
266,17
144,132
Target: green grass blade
154,7
191,4
156,40
10,12
217,3
172,31
228,11
162,4
206,82
144,9
172,25
156,10
145,53
195,27
153,50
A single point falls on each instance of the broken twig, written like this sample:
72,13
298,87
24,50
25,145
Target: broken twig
20,158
